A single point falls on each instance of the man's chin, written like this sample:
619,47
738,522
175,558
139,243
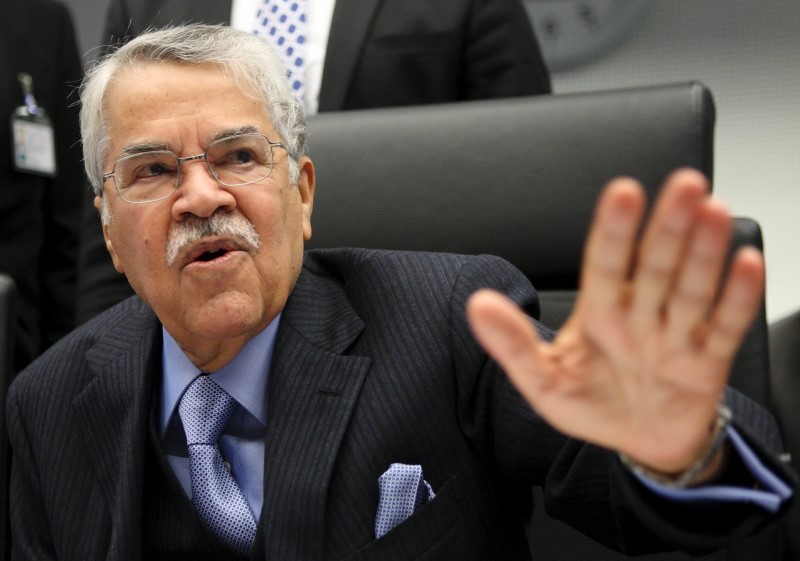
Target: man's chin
224,316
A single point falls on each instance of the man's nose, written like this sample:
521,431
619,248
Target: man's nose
199,193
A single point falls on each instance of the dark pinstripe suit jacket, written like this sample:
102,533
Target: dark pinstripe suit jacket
374,364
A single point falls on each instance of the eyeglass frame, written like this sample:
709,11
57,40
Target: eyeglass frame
180,160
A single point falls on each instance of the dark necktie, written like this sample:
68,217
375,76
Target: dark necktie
205,409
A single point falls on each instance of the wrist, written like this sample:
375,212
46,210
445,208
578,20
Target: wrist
704,469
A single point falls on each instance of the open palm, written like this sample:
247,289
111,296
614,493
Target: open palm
641,364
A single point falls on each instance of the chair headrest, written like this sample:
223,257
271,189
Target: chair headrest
496,176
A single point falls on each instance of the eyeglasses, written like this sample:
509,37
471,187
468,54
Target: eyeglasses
155,175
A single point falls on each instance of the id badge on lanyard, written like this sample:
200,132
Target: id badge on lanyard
32,131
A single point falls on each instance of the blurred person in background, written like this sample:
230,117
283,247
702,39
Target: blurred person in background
41,174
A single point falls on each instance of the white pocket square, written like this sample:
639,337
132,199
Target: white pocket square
402,491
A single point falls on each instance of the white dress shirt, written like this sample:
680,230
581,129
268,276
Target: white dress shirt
318,26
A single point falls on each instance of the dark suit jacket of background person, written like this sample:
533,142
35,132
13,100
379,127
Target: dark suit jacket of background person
374,364
40,217
381,53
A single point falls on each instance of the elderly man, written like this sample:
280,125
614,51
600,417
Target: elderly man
251,402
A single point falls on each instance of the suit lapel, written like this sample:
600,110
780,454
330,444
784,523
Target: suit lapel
351,21
113,408
313,388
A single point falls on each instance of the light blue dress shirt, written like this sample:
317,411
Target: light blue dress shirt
772,492
242,441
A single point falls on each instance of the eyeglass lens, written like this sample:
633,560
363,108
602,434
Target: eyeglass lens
236,160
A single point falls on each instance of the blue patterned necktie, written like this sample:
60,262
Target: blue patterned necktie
282,23
205,409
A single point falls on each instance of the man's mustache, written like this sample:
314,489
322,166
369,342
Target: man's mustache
193,229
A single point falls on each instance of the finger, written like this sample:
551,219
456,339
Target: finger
739,302
607,258
508,335
698,280
664,243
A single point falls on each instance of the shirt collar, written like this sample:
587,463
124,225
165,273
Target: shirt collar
244,378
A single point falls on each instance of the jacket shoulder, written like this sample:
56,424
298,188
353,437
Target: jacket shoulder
346,262
455,276
65,362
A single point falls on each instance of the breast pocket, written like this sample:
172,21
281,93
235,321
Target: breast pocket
435,531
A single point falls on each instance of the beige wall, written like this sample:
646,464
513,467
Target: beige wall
748,53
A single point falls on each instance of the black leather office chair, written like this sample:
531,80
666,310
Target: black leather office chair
517,178
784,352
7,320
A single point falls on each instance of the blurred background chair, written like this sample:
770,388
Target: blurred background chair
7,322
519,178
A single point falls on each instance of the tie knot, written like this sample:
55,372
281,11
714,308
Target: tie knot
205,409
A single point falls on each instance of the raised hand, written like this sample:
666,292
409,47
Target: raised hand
640,365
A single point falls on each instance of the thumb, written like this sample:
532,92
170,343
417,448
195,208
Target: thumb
508,335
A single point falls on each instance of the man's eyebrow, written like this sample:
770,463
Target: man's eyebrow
143,147
152,146
245,129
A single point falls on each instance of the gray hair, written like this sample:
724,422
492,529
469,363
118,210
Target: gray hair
247,59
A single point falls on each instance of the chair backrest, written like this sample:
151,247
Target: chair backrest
515,177
7,321
751,367
518,178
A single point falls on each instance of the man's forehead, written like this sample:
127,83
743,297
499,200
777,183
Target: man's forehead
148,106
170,66
167,82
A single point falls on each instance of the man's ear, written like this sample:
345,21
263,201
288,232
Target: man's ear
306,185
106,225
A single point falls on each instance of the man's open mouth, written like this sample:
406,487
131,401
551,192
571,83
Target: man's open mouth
208,250
211,255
